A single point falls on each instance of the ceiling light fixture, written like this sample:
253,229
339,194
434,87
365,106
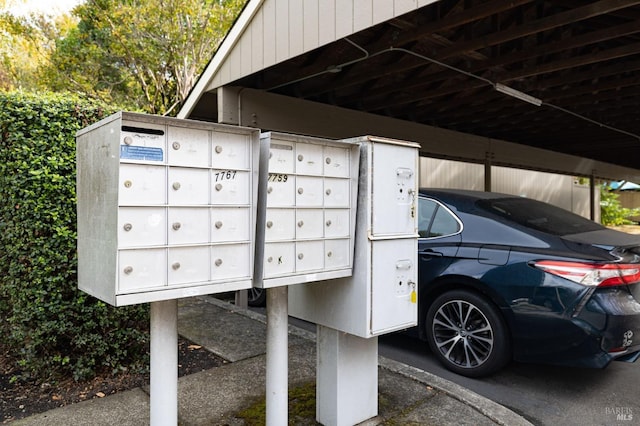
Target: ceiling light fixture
517,94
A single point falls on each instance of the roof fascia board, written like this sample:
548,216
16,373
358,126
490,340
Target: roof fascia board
220,56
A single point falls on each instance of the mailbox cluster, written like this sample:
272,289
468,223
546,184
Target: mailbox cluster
166,208
306,209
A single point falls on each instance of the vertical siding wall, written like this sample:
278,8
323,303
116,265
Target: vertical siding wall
283,29
559,190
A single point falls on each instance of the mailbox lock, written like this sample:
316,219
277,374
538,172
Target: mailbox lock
300,191
269,224
128,270
300,256
269,190
218,149
128,184
328,222
175,266
300,223
176,145
128,140
127,227
328,160
218,224
329,254
270,259
218,186
176,186
300,157
328,191
218,262
176,226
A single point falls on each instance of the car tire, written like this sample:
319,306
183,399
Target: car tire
467,334
257,296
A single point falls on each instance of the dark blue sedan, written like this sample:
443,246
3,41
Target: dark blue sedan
509,278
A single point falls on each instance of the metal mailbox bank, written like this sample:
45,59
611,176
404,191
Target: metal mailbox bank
166,208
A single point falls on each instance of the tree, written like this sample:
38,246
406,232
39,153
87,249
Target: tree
26,42
146,53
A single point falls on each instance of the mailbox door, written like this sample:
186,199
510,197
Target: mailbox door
309,223
230,187
309,191
138,185
309,255
188,225
279,259
230,151
280,224
337,222
188,265
336,162
230,224
337,253
139,270
308,159
188,147
141,226
231,261
188,186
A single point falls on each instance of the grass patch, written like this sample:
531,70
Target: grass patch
302,407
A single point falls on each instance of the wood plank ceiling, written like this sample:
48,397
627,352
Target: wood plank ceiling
440,65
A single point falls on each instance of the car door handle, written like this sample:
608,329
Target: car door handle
431,253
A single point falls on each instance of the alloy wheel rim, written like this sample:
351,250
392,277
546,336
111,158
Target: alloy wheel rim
463,334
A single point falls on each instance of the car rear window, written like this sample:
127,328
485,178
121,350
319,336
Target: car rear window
539,216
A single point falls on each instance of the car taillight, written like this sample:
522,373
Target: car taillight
593,274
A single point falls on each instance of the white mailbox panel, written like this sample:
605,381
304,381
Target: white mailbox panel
188,186
280,224
337,253
309,191
309,198
189,265
231,224
142,185
337,223
381,295
166,208
231,261
231,151
230,187
188,225
309,223
188,147
141,269
142,226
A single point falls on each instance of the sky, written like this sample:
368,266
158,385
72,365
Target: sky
52,7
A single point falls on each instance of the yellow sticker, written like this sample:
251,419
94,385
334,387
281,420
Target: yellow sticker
413,296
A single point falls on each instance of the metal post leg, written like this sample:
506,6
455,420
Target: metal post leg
277,356
164,363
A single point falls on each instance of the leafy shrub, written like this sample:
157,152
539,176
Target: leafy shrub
51,327
611,211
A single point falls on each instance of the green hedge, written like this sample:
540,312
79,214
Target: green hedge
51,327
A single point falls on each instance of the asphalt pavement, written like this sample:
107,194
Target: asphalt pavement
407,396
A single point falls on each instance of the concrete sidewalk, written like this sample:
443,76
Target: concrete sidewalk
214,397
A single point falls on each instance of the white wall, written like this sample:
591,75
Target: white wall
560,190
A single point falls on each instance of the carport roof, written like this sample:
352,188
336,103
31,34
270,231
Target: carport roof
572,68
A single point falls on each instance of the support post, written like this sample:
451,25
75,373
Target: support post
346,377
164,363
277,376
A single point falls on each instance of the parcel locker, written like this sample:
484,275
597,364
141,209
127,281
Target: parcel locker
166,208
